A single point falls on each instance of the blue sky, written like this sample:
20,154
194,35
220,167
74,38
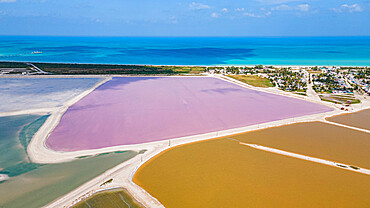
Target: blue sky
185,17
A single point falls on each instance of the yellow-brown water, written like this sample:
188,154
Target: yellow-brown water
359,119
223,173
316,139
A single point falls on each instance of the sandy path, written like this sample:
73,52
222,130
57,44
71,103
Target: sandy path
121,176
311,92
29,111
346,126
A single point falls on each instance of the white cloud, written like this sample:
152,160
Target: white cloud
173,20
198,6
348,8
249,14
276,1
303,7
214,15
284,7
239,9
225,10
7,1
263,12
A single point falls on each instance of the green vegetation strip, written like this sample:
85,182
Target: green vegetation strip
13,65
106,182
331,101
117,69
340,99
253,80
114,198
301,93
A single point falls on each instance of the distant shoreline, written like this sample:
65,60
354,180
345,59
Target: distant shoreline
180,65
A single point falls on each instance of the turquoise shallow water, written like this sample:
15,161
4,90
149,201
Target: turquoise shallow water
34,185
354,51
12,149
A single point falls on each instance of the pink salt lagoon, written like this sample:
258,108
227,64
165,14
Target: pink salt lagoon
132,110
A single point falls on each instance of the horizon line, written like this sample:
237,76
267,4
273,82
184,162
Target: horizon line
132,36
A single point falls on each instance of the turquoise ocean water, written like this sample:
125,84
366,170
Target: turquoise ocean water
353,51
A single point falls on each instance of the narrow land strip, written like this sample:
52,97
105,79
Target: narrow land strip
346,126
309,158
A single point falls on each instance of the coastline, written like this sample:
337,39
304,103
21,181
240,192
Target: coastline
189,65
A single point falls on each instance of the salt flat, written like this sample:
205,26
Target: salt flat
132,110
18,94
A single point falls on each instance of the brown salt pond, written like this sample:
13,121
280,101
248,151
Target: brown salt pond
359,119
223,173
316,139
